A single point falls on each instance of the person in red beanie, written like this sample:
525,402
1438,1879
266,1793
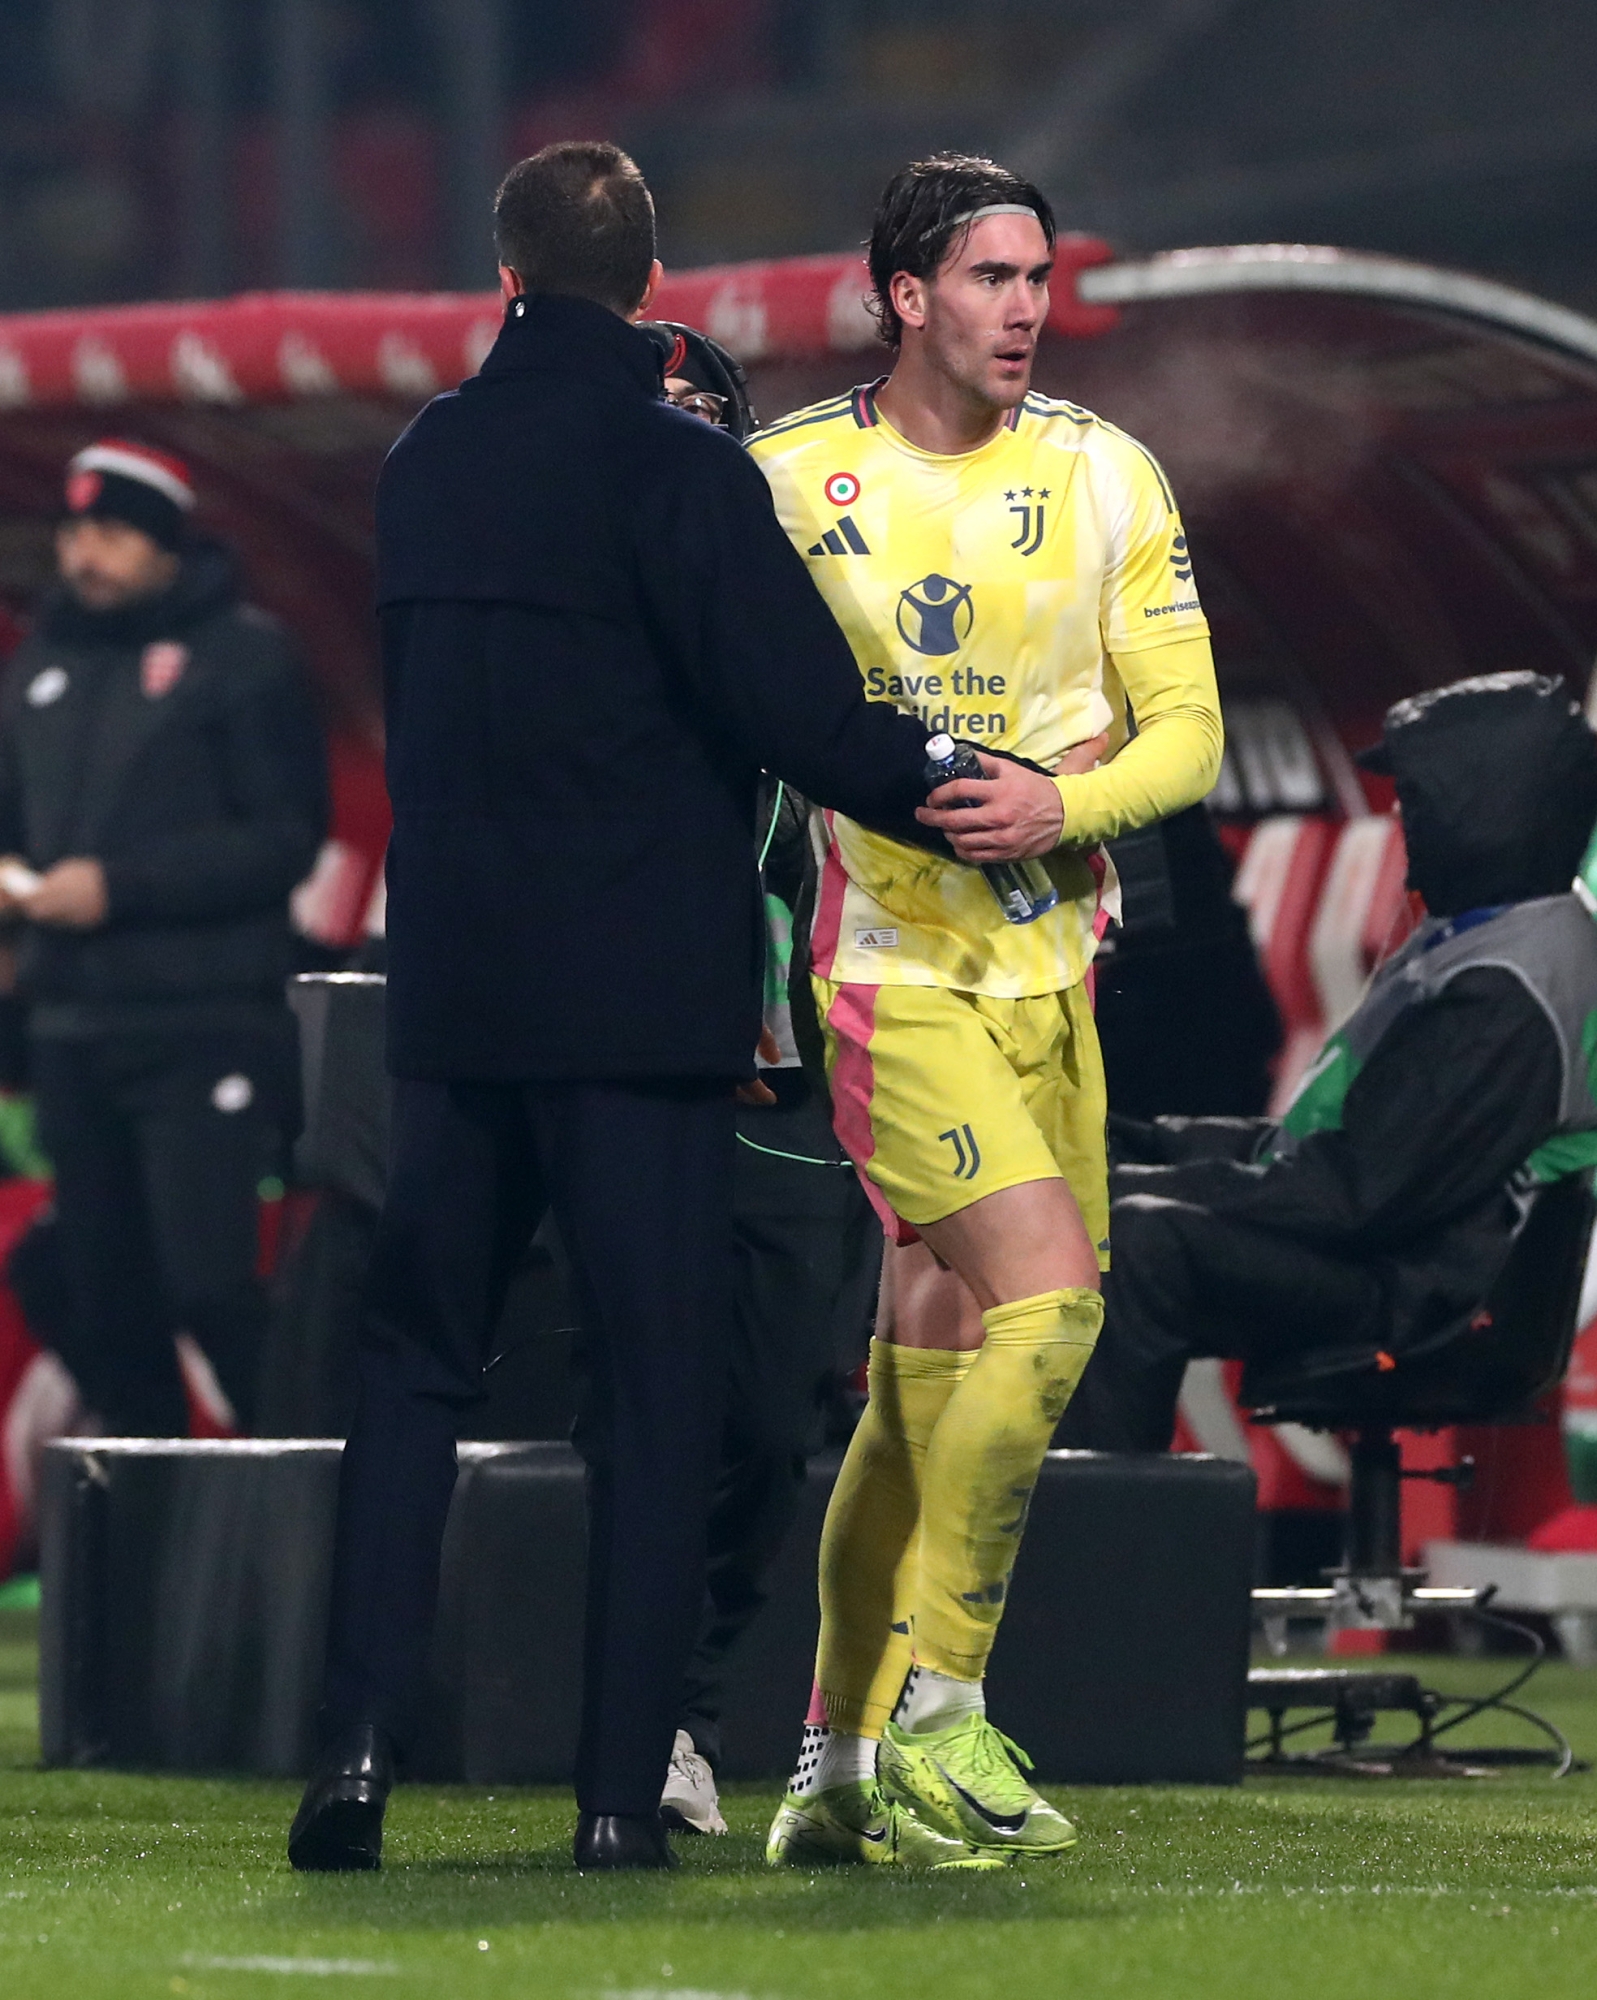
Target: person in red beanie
162,789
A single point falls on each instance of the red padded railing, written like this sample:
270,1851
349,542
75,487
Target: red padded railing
279,346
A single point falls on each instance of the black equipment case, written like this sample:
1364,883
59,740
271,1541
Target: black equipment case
185,1593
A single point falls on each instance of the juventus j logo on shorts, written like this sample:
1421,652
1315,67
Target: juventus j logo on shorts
967,1154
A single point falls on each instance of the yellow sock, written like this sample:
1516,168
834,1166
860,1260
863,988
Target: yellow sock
868,1544
982,1465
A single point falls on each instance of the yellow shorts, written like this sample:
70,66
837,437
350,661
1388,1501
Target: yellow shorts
941,1097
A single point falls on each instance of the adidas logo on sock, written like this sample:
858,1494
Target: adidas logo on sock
843,540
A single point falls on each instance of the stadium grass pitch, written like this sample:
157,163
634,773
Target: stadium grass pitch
116,1886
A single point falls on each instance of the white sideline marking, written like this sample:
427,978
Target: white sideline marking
318,1968
1326,1890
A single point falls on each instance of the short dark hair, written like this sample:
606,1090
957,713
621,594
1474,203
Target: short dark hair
925,210
578,218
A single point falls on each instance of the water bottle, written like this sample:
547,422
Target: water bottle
1023,888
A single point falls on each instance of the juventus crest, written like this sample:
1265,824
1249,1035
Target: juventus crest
1027,506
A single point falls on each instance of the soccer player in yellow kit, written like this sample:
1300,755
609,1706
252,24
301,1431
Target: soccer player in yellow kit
1014,570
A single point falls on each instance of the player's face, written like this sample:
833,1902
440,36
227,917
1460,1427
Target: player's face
981,315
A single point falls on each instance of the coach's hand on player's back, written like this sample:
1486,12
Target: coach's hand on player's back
1010,815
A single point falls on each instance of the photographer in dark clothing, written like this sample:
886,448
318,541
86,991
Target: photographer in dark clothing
1377,1214
162,789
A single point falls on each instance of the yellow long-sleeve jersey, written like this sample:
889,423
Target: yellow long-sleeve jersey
1019,595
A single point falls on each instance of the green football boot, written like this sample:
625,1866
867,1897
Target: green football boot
967,1781
856,1823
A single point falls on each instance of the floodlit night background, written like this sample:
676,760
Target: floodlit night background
188,148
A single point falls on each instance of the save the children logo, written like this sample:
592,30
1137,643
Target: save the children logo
935,615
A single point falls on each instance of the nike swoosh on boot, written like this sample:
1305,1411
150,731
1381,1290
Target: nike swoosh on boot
999,1822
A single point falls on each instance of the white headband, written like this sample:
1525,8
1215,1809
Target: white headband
997,208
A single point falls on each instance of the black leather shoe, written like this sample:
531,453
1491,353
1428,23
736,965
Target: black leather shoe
339,1825
621,1840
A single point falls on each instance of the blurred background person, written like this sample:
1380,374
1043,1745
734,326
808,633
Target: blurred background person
807,1246
162,789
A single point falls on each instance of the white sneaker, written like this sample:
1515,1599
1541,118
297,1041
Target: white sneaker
689,1801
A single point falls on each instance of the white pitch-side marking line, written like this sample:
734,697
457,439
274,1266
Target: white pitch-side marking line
317,1968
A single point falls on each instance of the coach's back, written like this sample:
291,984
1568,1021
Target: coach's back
594,633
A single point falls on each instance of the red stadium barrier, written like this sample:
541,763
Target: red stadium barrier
283,346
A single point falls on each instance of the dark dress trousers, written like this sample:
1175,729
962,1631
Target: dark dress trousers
595,634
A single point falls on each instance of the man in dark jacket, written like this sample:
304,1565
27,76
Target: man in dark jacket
161,791
1377,1214
594,635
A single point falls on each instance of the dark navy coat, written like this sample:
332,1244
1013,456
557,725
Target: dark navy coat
174,740
595,634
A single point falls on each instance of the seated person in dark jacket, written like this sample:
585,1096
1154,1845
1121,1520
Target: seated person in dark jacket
161,791
1378,1212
